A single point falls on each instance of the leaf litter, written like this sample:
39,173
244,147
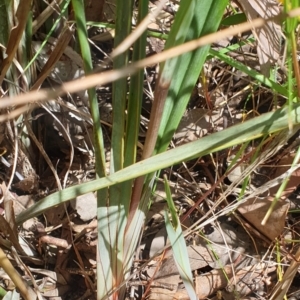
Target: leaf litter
231,258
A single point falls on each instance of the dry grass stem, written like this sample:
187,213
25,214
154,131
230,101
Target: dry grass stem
113,75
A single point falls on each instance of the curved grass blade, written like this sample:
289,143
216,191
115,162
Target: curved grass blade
178,244
260,126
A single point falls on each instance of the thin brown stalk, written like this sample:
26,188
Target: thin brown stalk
15,36
24,289
112,75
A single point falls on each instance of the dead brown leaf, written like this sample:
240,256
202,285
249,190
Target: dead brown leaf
216,280
254,210
94,10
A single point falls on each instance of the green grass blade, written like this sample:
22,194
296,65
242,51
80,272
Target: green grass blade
178,75
119,91
135,98
78,6
205,19
177,242
252,73
117,206
258,127
104,276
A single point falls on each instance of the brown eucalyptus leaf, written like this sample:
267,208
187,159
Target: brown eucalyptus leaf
56,214
199,257
163,291
166,278
254,210
27,185
211,282
195,124
268,37
94,10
